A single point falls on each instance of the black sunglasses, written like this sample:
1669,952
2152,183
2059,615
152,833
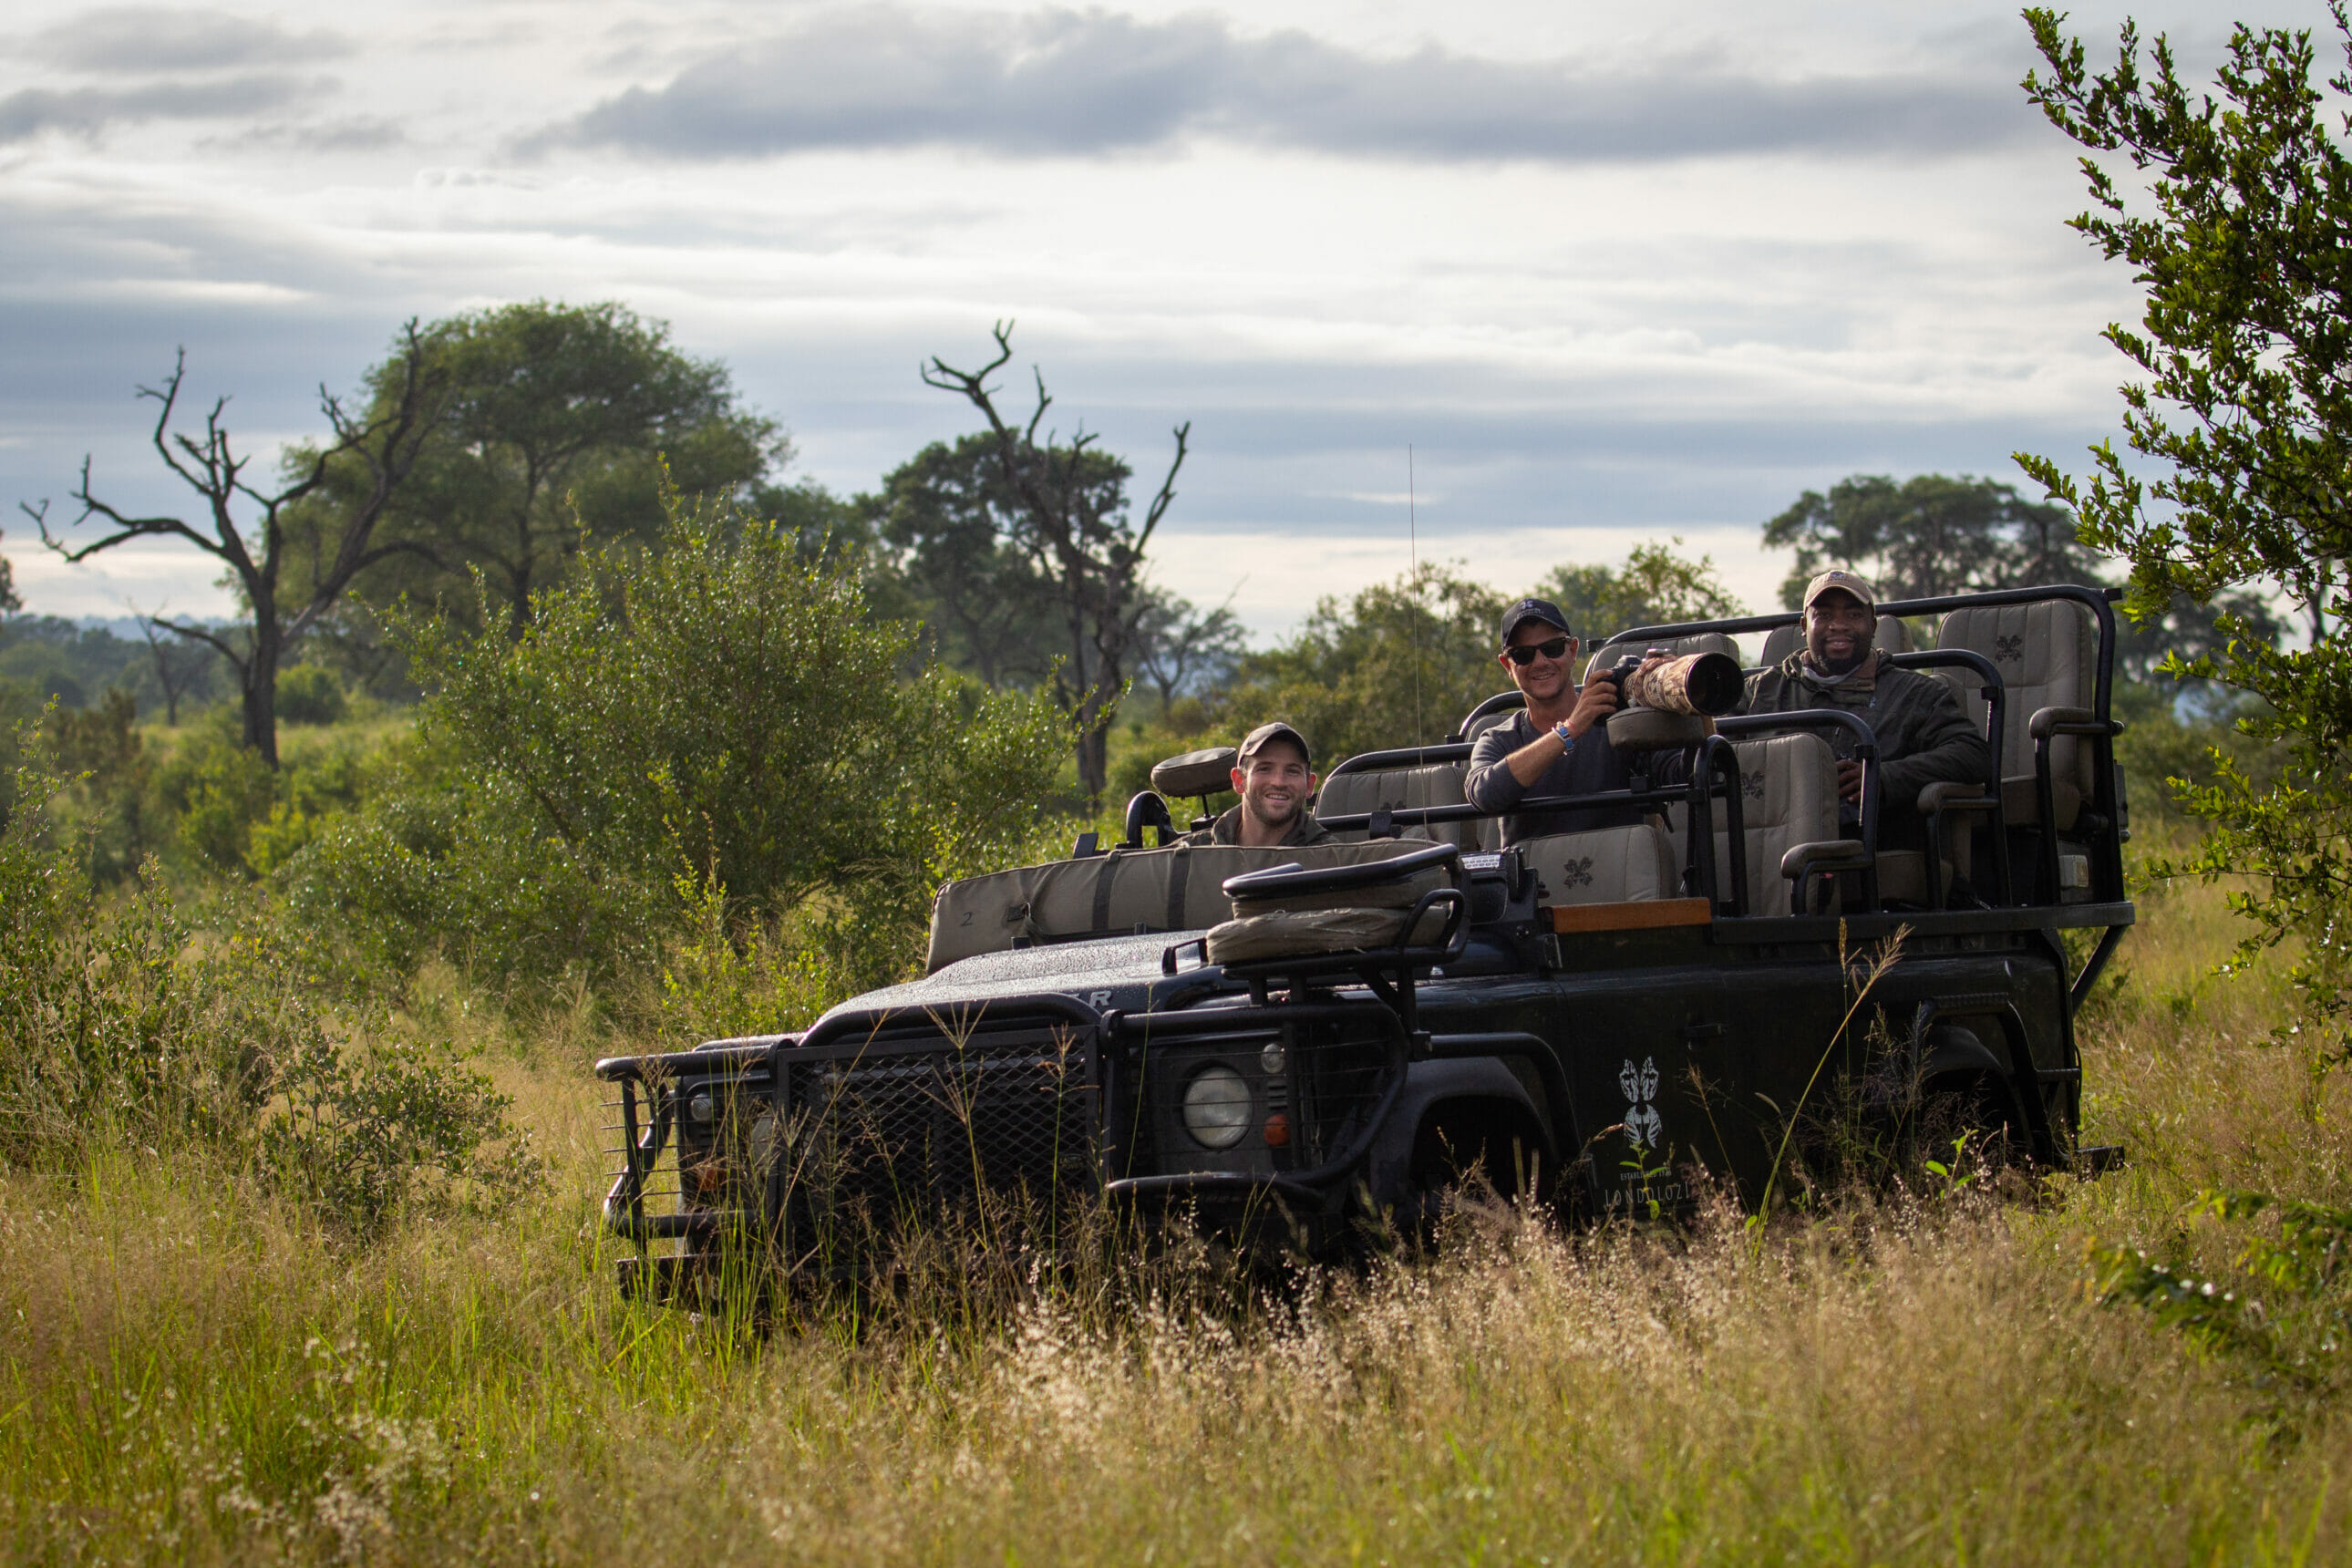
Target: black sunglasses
1525,654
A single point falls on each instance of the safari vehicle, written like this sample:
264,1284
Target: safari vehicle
1325,1035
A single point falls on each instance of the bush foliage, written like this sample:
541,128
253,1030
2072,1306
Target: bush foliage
719,708
2240,411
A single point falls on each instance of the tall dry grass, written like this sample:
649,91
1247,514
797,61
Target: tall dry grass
190,1371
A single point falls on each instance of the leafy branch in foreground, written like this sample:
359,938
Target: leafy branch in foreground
2246,409
2289,1317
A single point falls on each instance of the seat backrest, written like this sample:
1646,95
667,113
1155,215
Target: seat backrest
1392,789
1788,790
1603,865
1181,888
2048,658
1609,652
1892,636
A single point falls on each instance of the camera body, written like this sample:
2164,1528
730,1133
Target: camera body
1618,673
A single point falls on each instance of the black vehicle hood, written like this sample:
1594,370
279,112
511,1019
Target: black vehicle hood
1121,972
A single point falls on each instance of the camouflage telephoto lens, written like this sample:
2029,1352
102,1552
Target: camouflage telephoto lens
1707,684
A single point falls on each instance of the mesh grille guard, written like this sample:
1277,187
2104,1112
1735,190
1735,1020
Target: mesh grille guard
893,1120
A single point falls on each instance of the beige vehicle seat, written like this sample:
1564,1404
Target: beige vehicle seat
2048,658
1603,865
1788,786
1892,636
1176,889
1394,789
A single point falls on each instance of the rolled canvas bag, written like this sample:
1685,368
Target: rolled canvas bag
1289,933
1176,889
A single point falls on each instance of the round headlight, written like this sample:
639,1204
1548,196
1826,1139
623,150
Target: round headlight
1217,1107
698,1107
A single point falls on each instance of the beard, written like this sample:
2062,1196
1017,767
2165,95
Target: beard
1847,666
1260,810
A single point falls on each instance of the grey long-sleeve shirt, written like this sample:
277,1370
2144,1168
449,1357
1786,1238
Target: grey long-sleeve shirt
1593,766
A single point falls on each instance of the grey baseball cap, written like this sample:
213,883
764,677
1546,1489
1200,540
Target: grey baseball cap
1528,610
1842,580
1257,741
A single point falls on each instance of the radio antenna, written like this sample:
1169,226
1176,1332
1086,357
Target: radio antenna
1412,576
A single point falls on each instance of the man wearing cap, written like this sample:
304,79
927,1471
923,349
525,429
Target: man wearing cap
1558,744
1275,778
1923,736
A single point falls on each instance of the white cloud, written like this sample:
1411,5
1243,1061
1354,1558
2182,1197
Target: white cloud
1583,353
1058,81
119,38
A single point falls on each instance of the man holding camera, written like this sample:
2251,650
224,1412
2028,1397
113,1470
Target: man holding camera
1558,744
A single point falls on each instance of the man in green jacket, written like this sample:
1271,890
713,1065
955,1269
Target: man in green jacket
1923,736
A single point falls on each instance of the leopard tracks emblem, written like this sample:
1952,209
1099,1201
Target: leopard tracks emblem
1643,1123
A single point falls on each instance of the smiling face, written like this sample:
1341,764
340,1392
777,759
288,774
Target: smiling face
1548,676
1274,785
1837,629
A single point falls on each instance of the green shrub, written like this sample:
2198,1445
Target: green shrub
366,1130
310,694
719,706
102,1029
117,1027
112,795
310,791
217,789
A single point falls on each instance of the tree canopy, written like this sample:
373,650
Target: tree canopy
717,714
557,422
1927,536
1654,587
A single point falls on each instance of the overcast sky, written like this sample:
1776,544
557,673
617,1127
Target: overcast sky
1612,272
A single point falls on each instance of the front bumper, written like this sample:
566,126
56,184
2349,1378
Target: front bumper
823,1152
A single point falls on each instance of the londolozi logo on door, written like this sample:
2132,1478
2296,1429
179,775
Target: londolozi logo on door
1643,1122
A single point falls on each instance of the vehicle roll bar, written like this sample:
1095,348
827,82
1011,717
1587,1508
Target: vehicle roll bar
2100,601
1501,702
1149,808
1406,756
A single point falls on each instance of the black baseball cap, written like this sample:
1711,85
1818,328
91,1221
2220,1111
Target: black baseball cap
1257,741
1528,610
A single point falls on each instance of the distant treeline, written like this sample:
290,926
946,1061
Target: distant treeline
491,452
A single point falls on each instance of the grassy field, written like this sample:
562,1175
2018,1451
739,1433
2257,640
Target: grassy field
189,1372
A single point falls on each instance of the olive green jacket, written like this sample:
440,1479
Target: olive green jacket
1227,828
1924,738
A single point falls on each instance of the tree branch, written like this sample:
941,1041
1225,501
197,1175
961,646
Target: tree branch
198,634
1159,503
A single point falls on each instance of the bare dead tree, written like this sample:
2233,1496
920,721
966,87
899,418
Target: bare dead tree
387,443
1075,515
172,676
1178,644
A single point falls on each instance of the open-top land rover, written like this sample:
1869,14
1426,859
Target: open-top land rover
1310,1039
